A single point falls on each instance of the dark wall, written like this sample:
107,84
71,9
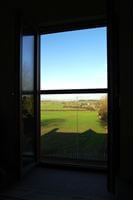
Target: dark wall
125,180
8,141
126,97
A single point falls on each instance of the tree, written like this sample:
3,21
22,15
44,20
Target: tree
102,111
27,106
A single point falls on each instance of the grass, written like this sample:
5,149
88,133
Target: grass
69,133
70,121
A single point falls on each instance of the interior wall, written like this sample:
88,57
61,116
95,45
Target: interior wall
126,97
124,181
8,132
40,12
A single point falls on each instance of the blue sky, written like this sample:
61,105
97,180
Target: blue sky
74,59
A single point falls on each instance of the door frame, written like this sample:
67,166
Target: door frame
113,84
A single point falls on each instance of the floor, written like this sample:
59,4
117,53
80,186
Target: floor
59,184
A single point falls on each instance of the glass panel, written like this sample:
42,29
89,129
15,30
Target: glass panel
27,63
74,126
74,59
28,124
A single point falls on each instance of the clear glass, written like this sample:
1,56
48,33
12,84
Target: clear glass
74,59
74,126
27,63
28,124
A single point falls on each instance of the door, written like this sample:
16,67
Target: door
30,94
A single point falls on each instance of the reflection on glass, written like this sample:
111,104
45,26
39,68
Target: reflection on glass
28,124
27,63
74,59
74,126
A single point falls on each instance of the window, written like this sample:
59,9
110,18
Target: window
27,100
74,95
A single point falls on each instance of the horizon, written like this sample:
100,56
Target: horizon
72,97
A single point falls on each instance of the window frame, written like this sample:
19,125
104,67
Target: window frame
71,26
47,25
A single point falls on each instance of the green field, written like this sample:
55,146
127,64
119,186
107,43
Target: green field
69,130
